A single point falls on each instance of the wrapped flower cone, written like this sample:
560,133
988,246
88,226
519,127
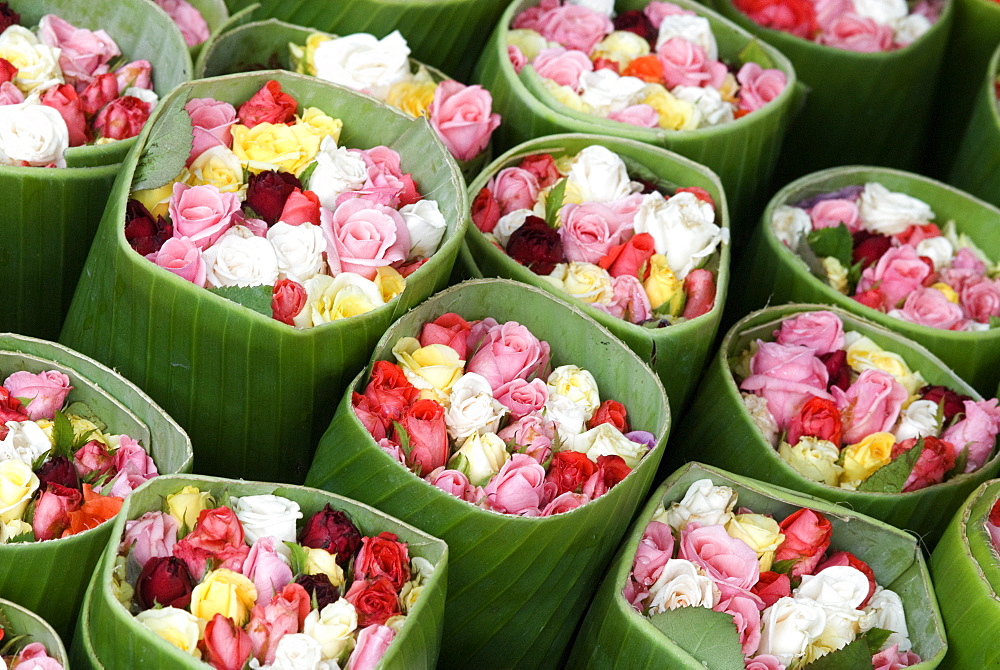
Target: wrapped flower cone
964,566
743,448
50,576
23,621
48,216
255,392
112,636
518,585
976,168
676,353
777,274
614,634
742,152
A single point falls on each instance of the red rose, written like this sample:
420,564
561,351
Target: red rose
797,17
58,470
914,234
995,514
630,258
771,586
226,646
52,511
843,558
287,299
8,17
389,392
937,458
7,71
569,470
818,417
869,247
837,369
383,556
699,193
268,105
376,426
536,246
332,530
952,403
613,412
449,329
144,233
606,64
164,581
485,211
611,469
63,99
636,21
870,298
10,410
807,536
374,599
122,118
543,167
425,426
99,93
300,207
217,535
699,286
268,191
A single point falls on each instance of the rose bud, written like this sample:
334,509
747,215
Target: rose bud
164,581
771,586
93,460
485,211
268,191
869,247
807,536
332,530
268,105
699,286
613,412
837,369
636,21
287,300
57,470
383,555
226,645
52,511
818,417
953,402
319,589
63,99
98,93
144,233
937,458
122,118
536,246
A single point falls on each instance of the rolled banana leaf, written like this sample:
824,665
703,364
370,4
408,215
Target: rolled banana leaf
615,635
518,585
965,572
862,108
25,622
254,394
742,449
742,152
81,651
977,165
50,577
776,274
117,640
48,216
444,33
676,353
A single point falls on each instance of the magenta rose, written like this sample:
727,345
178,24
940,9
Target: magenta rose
266,569
858,33
190,21
640,115
514,188
182,257
519,488
821,331
574,27
684,63
870,405
977,432
211,121
565,502
724,558
522,397
83,53
455,483
589,230
980,298
364,236
897,273
534,433
463,118
786,376
507,351
202,213
154,534
759,86
832,213
561,65
746,616
930,307
43,393
655,548
371,646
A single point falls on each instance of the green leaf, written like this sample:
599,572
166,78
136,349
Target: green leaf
298,559
26,536
403,437
256,298
876,639
854,276
755,52
836,242
709,636
995,322
960,462
82,439
891,478
459,462
62,435
167,147
852,657
784,567
306,174
554,202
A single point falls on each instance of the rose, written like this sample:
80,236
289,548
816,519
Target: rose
892,659
807,536
455,482
92,460
711,109
462,117
919,419
332,298
514,188
227,646
951,402
797,17
371,646
857,33
684,63
885,611
584,281
81,52
689,27
814,459
174,625
862,459
485,211
771,587
604,91
332,626
301,207
320,588
863,354
703,503
746,616
52,510
136,74
32,134
699,286
122,118
363,236
764,662
506,352
976,432
611,470
240,258
759,86
837,586
870,405
518,488
574,27
224,592
655,548
34,656
44,392
201,213
789,626
268,191
276,146
980,298
218,536
472,408
822,331
385,556
569,470
434,368
588,231
789,224
723,558
759,532
337,171
280,618
374,599
332,530
363,62
561,65
888,212
532,432
190,21
25,442
938,249
267,515
598,175
322,562
612,412
64,99
818,417
389,393
682,227
425,226
269,105
681,584
134,466
187,505
577,387
846,558
786,376
930,307
154,534
37,63
832,213
536,246
566,502
298,249
181,256
606,440
164,581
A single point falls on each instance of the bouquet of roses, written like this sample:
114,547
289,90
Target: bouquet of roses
658,67
883,248
315,233
27,641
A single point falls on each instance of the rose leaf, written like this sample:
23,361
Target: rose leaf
892,477
707,635
257,298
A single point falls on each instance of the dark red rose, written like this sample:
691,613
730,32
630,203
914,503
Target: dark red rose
569,470
63,99
937,458
543,166
217,536
425,426
332,530
995,514
7,69
57,470
536,246
144,233
8,17
375,600
837,369
389,392
165,581
606,64
98,93
869,247
122,118
636,21
699,193
771,586
952,402
630,258
383,556
52,511
448,329
807,536
268,191
225,645
485,211
319,589
268,105
613,412
846,558
287,300
818,417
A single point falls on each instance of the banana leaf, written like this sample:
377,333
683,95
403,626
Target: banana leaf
81,651
964,568
25,622
444,33
615,635
977,165
862,108
254,394
742,152
48,216
518,585
775,274
216,15
50,577
741,448
676,353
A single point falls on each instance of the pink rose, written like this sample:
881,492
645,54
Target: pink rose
786,376
52,511
266,569
565,502
138,74
517,58
10,94
764,662
448,329
534,433
656,11
828,11
102,90
589,230
977,431
363,236
930,307
724,558
684,63
182,257
561,65
519,488
34,656
83,53
131,457
897,273
153,535
93,459
965,259
188,19
630,301
870,405
371,646
507,351
201,213
641,115
893,659
211,121
832,213
64,99
575,27
522,397
821,331
858,33
463,118
43,393
529,18
746,616
269,623
655,548
122,118
759,86
455,483
514,188
980,298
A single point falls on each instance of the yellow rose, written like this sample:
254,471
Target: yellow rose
434,368
275,146
863,354
675,114
322,562
730,87
389,282
224,592
865,457
664,290
621,47
217,166
17,484
761,533
321,124
527,41
186,505
413,97
836,274
304,58
176,626
333,298
156,200
585,281
566,96
814,459
948,291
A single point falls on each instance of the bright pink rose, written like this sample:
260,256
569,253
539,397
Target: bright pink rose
83,53
821,331
266,569
463,118
285,614
122,118
977,432
92,460
965,259
455,483
746,616
182,257
519,488
630,301
371,646
764,662
936,458
870,405
138,74
589,230
565,502
363,236
897,273
34,656
656,11
684,63
201,213
724,558
797,17
514,188
522,397
930,307
640,115
52,511
980,298
561,65
832,213
43,393
574,27
10,94
64,99
154,534
858,33
893,659
534,433
102,90
188,19
759,86
508,351
655,548
211,121
517,58
786,375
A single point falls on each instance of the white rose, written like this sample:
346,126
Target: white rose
37,64
576,384
814,459
178,627
584,281
364,62
530,42
938,249
607,92
32,133
703,503
761,416
332,627
836,586
426,225
681,584
472,408
297,651
909,28
267,515
508,223
25,442
790,225
881,11
325,295
842,628
236,260
606,440
885,611
918,420
570,417
299,250
714,110
337,171
890,212
484,456
683,229
598,174
147,95
694,29
606,7
788,627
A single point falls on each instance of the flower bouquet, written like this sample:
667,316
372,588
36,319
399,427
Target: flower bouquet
54,108
26,637
871,252
213,572
978,159
523,516
539,93
648,260
826,403
808,584
964,565
64,476
182,340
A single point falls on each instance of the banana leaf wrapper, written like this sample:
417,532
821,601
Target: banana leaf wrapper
676,353
50,577
517,585
977,165
742,448
25,622
965,572
776,274
615,635
117,640
742,152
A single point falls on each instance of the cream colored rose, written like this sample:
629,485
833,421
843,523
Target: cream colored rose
863,354
178,627
483,456
704,503
240,260
683,229
694,29
434,368
599,175
426,225
570,417
267,515
12,529
508,223
566,96
364,62
321,562
920,419
584,281
761,416
881,11
788,627
885,610
299,250
333,627
909,28
332,298
298,651
761,533
528,42
606,440
17,484
37,64
712,109
472,408
621,47
814,459
32,134
25,442
607,92
836,274
576,384
938,249
681,584
790,224
836,586
890,212
337,171
842,627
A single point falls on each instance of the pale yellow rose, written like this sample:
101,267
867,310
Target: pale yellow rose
176,626
527,41
865,457
948,291
224,592
483,456
413,97
761,533
409,595
12,529
322,562
729,89
333,298
80,426
37,64
389,282
321,124
814,459
621,47
333,627
863,354
434,368
217,166
584,281
156,200
303,58
836,274
187,504
664,290
566,96
576,385
275,146
675,114
17,484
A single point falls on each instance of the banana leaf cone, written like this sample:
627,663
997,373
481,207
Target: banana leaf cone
117,640
444,33
615,635
965,571
254,393
517,585
742,152
742,448
776,274
25,622
48,216
977,165
676,353
50,577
